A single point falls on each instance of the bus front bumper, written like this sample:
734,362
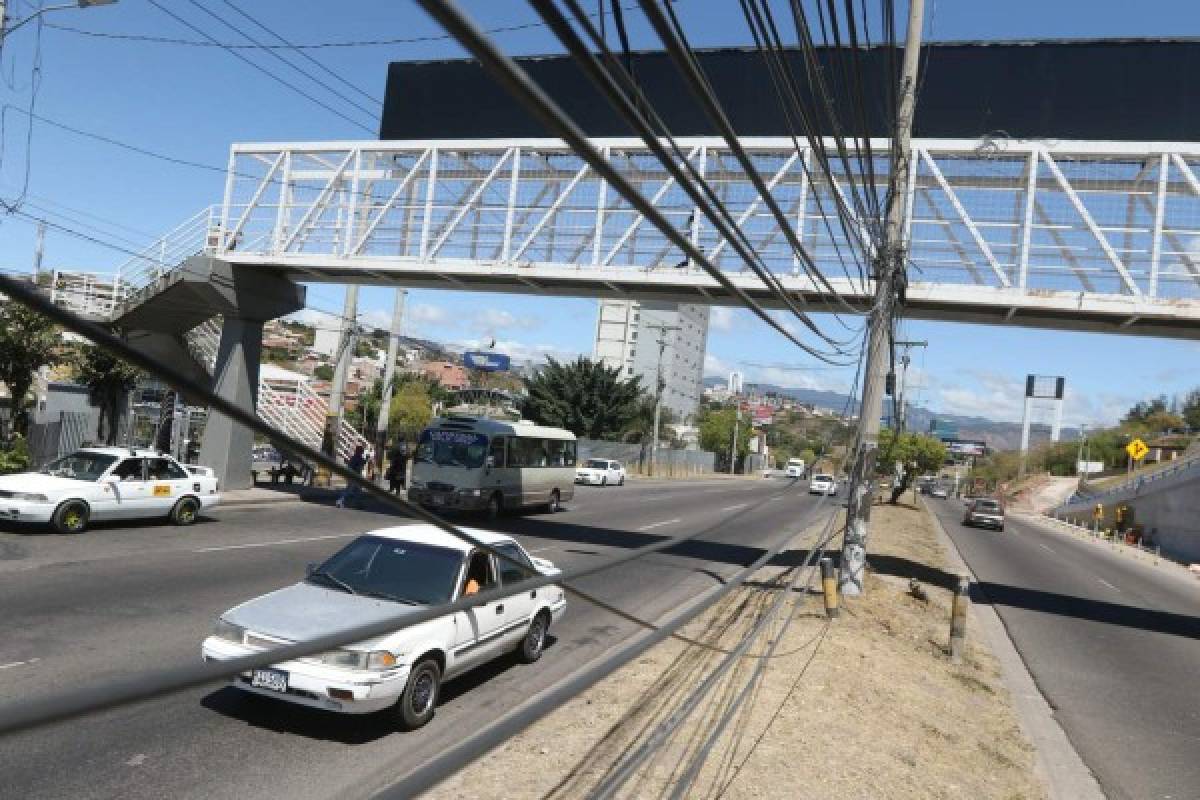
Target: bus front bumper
460,500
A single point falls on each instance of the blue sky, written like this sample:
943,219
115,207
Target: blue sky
192,102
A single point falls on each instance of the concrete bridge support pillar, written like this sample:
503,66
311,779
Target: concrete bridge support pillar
227,445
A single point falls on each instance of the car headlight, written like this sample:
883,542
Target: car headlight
359,659
29,497
228,631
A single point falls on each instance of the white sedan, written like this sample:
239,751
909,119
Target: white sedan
823,484
379,576
104,483
601,472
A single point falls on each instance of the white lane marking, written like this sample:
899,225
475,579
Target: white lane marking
654,525
542,549
272,544
19,663
1044,547
136,761
1109,585
735,507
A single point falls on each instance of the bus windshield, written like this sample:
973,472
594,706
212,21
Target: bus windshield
452,448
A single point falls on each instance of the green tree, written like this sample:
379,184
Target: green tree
1190,410
109,381
584,396
917,452
27,343
1160,421
410,411
716,434
323,372
14,457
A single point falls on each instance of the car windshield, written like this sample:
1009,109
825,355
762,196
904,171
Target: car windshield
597,464
452,448
987,505
824,478
405,572
82,466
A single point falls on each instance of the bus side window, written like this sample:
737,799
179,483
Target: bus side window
496,453
518,452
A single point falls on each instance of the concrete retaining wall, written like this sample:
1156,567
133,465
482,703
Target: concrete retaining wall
671,463
1167,509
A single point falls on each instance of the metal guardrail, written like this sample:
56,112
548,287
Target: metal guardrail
1186,464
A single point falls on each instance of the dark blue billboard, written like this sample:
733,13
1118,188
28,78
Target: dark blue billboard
486,362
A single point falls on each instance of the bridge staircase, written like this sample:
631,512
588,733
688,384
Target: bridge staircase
169,301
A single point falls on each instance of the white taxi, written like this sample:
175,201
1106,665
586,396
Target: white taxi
107,483
382,575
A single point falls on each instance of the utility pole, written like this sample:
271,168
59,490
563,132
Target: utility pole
901,400
389,376
659,384
347,344
889,286
39,248
737,417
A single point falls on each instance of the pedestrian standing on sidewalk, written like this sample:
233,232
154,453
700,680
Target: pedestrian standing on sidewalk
396,467
356,463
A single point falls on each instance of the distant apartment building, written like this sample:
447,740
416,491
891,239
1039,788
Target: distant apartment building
627,337
450,376
736,382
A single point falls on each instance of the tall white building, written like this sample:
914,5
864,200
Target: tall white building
736,382
626,338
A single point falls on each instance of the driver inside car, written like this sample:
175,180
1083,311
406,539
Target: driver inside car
477,574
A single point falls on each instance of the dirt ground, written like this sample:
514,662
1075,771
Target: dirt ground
868,706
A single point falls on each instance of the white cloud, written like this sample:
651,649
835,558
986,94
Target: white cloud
715,366
721,318
425,314
490,320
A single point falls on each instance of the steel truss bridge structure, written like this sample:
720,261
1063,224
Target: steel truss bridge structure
1099,236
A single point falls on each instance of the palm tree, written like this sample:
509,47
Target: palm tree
109,381
583,396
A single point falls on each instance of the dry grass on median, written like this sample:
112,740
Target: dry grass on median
868,707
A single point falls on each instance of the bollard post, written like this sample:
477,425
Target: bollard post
829,586
958,619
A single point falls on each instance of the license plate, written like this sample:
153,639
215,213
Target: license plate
274,679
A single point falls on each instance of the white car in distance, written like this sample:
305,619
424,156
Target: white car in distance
600,472
107,483
795,468
383,575
823,484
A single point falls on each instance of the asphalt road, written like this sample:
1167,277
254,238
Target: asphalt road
1112,642
121,599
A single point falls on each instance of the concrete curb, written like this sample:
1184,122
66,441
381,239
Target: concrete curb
1056,762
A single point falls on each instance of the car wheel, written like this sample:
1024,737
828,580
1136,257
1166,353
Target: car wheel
555,504
495,506
534,642
71,517
419,700
604,480
622,481
186,511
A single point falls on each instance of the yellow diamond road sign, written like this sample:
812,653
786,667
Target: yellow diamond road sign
1137,449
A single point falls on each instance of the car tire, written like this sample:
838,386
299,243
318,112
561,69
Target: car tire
418,701
622,481
495,506
604,480
533,643
71,517
555,503
186,511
